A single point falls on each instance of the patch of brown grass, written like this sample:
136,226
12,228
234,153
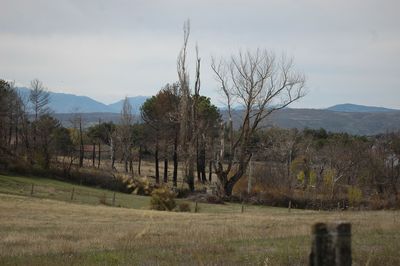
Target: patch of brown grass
44,232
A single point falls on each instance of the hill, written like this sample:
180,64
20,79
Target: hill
136,103
71,103
353,123
350,118
355,108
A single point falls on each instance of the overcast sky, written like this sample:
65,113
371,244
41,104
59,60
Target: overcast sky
349,50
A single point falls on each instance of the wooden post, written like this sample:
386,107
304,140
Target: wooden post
331,245
32,189
242,207
196,207
343,244
72,193
290,205
113,202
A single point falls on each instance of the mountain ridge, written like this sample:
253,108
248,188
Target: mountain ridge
71,103
357,108
349,118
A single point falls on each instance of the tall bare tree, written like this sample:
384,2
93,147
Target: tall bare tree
262,84
39,98
188,103
125,132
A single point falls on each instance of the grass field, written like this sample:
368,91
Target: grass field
49,229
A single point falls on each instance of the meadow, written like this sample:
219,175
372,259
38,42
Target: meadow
49,228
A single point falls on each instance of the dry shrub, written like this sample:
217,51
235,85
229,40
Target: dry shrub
162,199
142,186
380,202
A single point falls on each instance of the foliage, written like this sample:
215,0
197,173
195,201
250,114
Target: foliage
162,199
328,178
354,195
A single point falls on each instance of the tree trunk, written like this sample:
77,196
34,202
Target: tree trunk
202,166
98,164
140,159
126,161
210,171
190,175
198,162
165,170
175,158
112,154
156,164
81,151
131,164
226,185
94,154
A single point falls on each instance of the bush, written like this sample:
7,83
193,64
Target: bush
354,195
184,207
162,199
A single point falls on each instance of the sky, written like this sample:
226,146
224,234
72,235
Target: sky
348,50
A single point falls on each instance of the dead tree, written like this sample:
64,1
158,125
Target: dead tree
188,103
262,84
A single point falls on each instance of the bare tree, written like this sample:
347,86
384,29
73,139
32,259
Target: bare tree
262,84
39,98
126,133
188,106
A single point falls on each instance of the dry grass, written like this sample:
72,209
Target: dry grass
37,231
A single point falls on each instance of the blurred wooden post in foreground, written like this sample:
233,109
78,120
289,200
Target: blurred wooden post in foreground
331,245
32,189
72,193
113,202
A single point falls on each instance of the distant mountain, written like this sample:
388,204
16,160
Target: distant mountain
350,118
357,123
70,103
136,103
355,108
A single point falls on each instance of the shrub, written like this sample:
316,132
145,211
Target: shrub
162,199
184,207
354,195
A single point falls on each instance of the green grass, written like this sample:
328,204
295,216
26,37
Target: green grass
58,190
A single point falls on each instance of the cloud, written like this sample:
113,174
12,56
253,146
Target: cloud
108,49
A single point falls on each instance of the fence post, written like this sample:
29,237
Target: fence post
242,207
290,205
331,245
32,189
72,193
343,244
196,208
113,202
